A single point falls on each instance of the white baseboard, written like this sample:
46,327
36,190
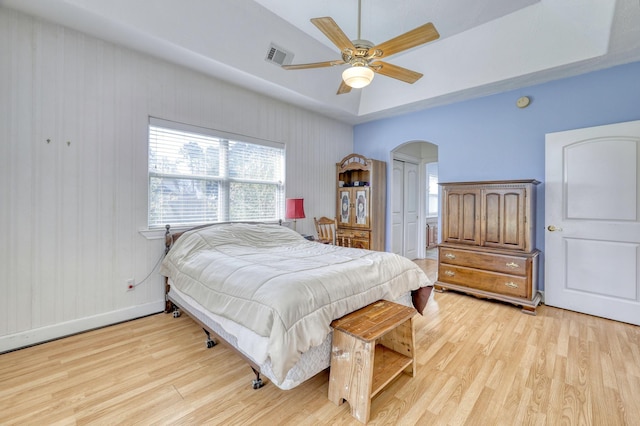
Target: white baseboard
56,331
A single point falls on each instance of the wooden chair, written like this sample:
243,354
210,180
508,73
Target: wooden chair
326,229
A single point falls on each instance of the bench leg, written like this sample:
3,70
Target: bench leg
352,374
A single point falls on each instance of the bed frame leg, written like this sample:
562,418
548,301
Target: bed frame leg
176,311
210,342
257,382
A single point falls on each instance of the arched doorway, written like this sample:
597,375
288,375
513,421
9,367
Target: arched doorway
410,205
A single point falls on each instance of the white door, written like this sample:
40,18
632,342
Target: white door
411,205
397,207
592,221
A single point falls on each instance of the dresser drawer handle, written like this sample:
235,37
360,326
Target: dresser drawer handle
511,284
450,256
449,273
512,265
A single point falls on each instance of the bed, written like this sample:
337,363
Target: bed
271,294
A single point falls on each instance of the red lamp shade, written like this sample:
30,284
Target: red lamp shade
294,208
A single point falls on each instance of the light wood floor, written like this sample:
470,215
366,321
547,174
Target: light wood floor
479,363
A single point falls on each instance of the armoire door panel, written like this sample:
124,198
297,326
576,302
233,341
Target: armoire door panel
461,225
452,222
512,209
493,214
504,214
469,223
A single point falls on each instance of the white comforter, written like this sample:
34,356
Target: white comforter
274,282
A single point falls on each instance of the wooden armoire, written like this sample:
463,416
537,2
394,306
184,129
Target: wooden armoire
488,241
360,205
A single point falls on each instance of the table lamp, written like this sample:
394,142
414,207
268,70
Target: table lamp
294,210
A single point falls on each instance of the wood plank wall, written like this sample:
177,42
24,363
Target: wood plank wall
73,171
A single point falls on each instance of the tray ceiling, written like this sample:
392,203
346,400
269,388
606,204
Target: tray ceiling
484,47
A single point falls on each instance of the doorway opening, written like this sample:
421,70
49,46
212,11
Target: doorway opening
414,199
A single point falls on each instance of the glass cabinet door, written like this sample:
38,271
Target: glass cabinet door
361,207
344,206
353,207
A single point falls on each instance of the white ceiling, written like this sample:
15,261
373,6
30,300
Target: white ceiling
485,46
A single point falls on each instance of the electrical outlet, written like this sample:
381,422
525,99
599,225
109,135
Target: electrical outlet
131,284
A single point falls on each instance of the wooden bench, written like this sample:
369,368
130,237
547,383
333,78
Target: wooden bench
370,348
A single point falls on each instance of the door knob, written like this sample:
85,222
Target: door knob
553,228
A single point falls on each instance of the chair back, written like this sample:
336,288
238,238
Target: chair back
326,230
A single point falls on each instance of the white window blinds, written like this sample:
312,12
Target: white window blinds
200,176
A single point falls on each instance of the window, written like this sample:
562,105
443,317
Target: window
432,189
200,176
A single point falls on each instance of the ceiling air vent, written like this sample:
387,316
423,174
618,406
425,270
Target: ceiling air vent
278,55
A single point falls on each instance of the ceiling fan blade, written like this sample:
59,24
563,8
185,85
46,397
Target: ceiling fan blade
313,65
396,72
344,88
333,32
413,38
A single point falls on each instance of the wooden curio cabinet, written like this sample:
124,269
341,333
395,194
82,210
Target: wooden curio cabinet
360,204
488,241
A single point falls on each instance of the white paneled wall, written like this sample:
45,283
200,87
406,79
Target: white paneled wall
73,171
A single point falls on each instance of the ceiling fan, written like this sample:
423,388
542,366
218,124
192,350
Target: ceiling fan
363,56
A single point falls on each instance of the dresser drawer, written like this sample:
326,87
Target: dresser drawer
353,243
513,265
510,285
353,238
352,233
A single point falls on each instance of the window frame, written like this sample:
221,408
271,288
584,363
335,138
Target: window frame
433,190
224,181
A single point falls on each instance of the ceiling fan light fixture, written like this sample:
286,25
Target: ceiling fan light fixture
357,76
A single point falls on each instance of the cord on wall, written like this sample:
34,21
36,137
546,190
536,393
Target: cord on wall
152,270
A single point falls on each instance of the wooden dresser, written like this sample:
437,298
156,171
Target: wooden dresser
488,241
360,205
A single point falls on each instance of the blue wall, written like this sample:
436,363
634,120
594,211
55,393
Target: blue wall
491,139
